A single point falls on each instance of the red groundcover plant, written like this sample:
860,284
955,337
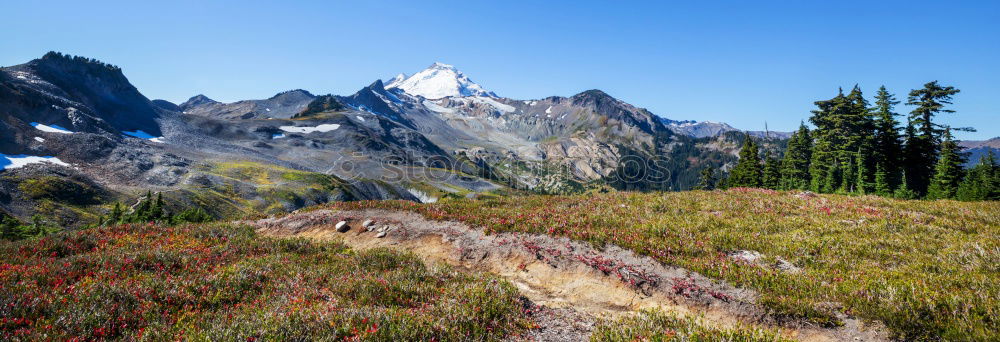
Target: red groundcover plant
224,282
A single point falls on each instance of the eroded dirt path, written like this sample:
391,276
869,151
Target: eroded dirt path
571,283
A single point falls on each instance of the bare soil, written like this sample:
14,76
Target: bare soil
569,285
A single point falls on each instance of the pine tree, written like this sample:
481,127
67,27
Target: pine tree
795,164
748,170
707,180
771,177
924,144
948,170
982,183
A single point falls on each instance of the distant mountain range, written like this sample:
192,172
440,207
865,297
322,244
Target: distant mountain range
80,124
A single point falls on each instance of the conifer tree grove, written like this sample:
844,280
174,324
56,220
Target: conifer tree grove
982,182
948,171
922,144
795,164
748,170
843,126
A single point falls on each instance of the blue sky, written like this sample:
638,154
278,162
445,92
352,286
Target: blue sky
739,62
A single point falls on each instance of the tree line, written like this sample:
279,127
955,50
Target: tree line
856,148
148,209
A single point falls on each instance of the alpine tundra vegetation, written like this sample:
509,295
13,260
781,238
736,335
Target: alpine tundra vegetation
586,171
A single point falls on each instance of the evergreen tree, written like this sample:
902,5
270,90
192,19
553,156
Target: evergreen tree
771,177
826,139
847,177
844,124
707,180
795,164
748,170
924,144
903,191
156,211
948,170
887,151
882,186
982,182
865,182
832,178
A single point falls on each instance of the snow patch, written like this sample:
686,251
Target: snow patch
277,136
39,139
437,108
422,196
499,106
143,135
50,128
306,129
548,110
8,162
360,118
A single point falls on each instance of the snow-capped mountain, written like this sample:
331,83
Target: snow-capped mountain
438,81
395,81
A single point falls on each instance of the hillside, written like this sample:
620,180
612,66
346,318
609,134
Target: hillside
926,270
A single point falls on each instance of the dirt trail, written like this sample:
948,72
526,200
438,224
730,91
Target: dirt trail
572,283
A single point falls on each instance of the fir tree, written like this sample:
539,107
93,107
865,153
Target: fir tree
832,178
924,144
865,182
888,146
982,182
948,170
771,177
748,170
882,186
707,180
826,139
795,164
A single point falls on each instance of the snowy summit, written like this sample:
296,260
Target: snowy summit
438,81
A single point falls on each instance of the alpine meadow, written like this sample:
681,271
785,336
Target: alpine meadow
646,171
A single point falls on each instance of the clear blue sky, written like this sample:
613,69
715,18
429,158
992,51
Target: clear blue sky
741,62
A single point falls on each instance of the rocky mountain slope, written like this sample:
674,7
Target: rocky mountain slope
976,149
431,135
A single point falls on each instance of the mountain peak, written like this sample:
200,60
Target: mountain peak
196,100
396,80
439,65
438,81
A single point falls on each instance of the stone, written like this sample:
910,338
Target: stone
380,235
342,226
368,223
